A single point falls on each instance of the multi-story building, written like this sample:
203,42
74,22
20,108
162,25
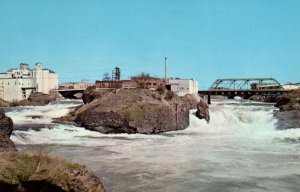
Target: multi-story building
17,84
182,86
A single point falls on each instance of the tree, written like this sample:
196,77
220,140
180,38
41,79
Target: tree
106,77
144,75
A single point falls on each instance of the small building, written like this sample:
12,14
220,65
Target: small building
17,84
182,86
74,85
291,86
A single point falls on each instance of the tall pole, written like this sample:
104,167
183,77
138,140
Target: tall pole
166,68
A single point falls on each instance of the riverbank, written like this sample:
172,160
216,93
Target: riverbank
35,172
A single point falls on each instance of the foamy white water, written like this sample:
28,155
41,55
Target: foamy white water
239,150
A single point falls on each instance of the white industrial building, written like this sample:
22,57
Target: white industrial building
182,86
291,86
17,84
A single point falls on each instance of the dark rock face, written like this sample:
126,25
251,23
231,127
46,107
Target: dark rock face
288,119
202,110
281,101
289,110
101,120
136,111
40,99
6,128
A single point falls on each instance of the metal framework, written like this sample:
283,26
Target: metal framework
116,74
251,84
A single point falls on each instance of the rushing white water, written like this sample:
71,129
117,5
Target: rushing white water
239,150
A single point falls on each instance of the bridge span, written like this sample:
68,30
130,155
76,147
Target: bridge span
244,88
70,93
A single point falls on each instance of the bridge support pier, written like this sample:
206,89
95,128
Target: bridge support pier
208,99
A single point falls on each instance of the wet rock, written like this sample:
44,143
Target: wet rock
203,110
6,128
287,119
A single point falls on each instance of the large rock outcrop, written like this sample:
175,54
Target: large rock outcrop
135,111
289,110
6,128
3,103
35,98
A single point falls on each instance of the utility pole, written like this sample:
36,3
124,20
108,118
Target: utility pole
166,68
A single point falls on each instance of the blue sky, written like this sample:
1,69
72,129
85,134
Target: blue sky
203,39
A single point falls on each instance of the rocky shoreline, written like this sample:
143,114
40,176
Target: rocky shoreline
135,111
36,171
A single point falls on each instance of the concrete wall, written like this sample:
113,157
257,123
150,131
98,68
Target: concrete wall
15,89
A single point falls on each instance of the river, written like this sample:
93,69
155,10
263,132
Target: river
239,150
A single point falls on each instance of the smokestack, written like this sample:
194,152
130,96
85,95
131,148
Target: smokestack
166,68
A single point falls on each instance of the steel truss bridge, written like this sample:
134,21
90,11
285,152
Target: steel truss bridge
244,88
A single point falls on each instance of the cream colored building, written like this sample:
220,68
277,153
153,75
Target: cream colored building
17,84
291,86
182,86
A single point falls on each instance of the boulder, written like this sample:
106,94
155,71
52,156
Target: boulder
203,110
135,111
37,98
6,128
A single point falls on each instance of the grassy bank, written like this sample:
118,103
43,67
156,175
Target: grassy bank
40,172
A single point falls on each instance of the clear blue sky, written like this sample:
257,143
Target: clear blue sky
203,39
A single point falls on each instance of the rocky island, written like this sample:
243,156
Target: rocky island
36,171
135,111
